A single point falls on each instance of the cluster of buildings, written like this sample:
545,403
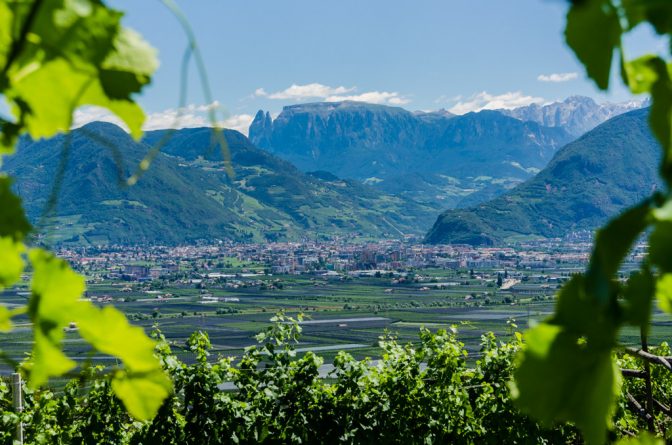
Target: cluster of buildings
288,258
335,257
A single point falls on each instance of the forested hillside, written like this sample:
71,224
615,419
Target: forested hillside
187,194
587,182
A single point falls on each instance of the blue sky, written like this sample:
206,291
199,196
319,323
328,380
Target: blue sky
425,54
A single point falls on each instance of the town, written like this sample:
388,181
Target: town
351,293
145,263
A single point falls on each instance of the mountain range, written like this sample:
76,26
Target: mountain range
437,158
186,195
576,114
482,163
588,181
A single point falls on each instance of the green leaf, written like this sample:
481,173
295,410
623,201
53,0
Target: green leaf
640,74
129,343
642,439
55,291
656,12
142,393
129,67
560,379
11,261
55,302
594,49
664,212
77,54
651,74
612,243
13,221
6,18
582,315
638,298
660,245
9,134
48,360
142,386
5,319
664,293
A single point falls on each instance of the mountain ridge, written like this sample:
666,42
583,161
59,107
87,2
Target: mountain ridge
576,114
587,182
385,145
186,195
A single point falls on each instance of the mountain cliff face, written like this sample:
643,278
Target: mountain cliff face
590,180
575,114
186,195
438,157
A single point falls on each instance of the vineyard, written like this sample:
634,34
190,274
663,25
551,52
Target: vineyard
430,392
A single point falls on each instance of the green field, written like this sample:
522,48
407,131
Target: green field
349,313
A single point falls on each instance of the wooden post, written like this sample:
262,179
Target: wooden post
17,398
649,389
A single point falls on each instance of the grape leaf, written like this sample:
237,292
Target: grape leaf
129,343
129,67
660,245
56,302
641,74
5,319
664,292
594,49
55,291
656,12
611,244
651,74
13,222
6,18
578,383
77,54
582,315
142,393
142,386
638,297
11,261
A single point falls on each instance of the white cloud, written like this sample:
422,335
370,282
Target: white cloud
239,122
557,77
191,116
326,93
444,98
85,115
373,97
303,92
487,101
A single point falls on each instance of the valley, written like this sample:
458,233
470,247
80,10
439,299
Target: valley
351,294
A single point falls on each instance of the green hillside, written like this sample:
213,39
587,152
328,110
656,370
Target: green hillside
187,196
588,181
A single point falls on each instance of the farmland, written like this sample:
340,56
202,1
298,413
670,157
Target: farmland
343,311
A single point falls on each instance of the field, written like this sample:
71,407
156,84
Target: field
341,312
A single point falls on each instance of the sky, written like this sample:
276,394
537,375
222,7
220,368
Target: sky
461,55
